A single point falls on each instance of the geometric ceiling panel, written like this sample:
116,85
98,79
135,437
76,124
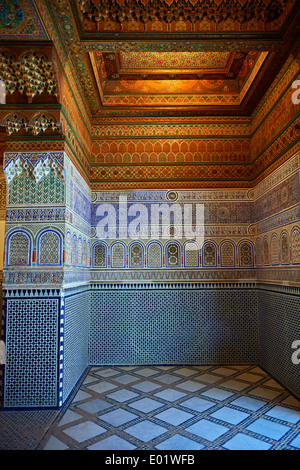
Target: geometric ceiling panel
180,79
167,58
175,61
176,57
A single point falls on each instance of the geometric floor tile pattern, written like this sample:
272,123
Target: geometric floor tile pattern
176,408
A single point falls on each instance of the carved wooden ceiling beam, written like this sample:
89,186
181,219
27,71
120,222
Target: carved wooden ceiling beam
189,10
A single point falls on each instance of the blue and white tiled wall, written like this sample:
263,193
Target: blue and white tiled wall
185,324
279,328
126,301
277,247
276,225
75,337
32,341
52,329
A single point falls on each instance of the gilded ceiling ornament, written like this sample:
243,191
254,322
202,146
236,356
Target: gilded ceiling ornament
187,10
32,75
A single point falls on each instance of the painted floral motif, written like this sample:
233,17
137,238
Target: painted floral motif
266,252
296,246
136,255
18,249
175,60
173,255
284,249
154,255
117,256
246,254
49,249
209,254
99,256
11,14
191,254
227,254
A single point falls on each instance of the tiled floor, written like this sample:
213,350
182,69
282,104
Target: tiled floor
177,408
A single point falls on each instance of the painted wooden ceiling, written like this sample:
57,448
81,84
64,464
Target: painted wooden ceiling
180,57
166,57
